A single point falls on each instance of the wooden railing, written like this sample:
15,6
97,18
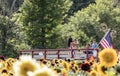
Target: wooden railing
58,53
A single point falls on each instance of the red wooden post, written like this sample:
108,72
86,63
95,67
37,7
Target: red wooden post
58,53
97,54
32,54
45,54
72,53
20,53
87,53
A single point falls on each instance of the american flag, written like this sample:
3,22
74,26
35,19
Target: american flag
106,41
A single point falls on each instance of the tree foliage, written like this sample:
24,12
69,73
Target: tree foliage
9,31
96,19
39,23
40,18
78,5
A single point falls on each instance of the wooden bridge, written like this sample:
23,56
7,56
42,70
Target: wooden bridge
59,53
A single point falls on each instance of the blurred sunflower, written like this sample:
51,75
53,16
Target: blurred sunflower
57,70
2,65
76,68
102,70
11,73
117,69
64,72
8,66
53,64
24,65
65,65
42,59
108,57
60,60
4,74
44,62
11,60
4,70
85,67
95,65
93,73
43,72
57,65
9,63
72,63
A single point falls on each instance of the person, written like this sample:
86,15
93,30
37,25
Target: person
90,52
76,43
94,46
72,45
70,40
88,47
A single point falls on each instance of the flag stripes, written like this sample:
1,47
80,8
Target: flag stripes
106,41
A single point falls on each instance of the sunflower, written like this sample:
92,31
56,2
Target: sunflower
95,65
70,66
4,70
24,65
93,73
72,63
108,57
4,74
102,70
117,69
44,62
64,72
65,65
42,59
85,67
60,60
8,66
9,63
76,68
2,65
11,60
44,72
57,70
11,73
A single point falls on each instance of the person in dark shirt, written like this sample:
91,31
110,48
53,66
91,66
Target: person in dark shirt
69,41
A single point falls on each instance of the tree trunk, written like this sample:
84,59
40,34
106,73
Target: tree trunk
3,39
43,24
43,38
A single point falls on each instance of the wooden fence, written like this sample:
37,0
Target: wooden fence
59,53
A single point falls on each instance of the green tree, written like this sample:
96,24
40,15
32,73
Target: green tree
9,36
76,6
40,18
96,19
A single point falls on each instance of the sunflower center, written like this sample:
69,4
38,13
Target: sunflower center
108,58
